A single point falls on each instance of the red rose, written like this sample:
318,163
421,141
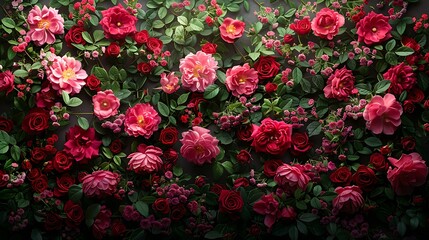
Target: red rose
416,95
118,228
267,67
270,167
141,37
40,184
154,44
378,162
178,212
287,38
6,124
63,185
230,202
161,205
300,143
270,87
33,174
53,222
113,50
342,176
365,178
411,43
38,155
62,162
200,181
26,165
144,67
209,48
408,143
117,22
36,121
217,188
301,27
116,146
402,78
385,150
408,106
170,155
243,157
3,181
93,82
74,35
273,137
241,182
74,213
244,133
169,136
6,81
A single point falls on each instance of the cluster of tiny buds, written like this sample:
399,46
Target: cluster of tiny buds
116,125
14,180
58,113
296,117
175,194
17,219
354,111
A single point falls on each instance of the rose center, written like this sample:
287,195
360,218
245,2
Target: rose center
68,74
199,149
105,104
242,80
374,29
140,121
196,70
118,24
44,24
230,29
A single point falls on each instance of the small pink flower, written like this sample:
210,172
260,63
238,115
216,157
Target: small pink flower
44,24
349,199
146,159
198,71
169,82
106,104
241,80
291,177
402,78
199,146
340,85
141,120
66,74
82,144
373,28
100,183
327,23
6,82
118,23
383,114
231,29
269,207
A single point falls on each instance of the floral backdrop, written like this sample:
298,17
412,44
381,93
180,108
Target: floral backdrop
126,119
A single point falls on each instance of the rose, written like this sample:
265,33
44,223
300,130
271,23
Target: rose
141,37
300,27
267,206
273,137
267,67
402,78
4,178
243,157
365,178
169,82
106,104
198,71
6,81
81,144
93,82
145,160
199,146
6,124
340,85
411,43
44,24
326,24
241,80
291,177
270,167
270,87
288,213
168,136
408,143
178,212
287,38
38,155
113,50
100,183
241,182
373,28
74,35
217,188
40,184
300,143
118,228
117,22
74,213
62,162
141,120
244,133
416,95
341,176
155,45
116,146
378,161
53,221
36,121
34,173
231,29
349,199
161,205
383,114
63,185
144,67
209,48
170,155
230,202
408,106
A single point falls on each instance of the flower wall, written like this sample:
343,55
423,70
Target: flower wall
185,120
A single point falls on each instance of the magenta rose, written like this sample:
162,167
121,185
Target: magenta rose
273,137
402,78
100,183
340,85
269,207
327,23
141,120
231,30
199,146
291,177
6,81
118,23
383,115
373,28
349,199
147,159
82,144
106,104
241,80
44,24
409,171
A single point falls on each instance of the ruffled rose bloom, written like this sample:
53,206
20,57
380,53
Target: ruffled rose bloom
118,23
147,159
349,199
231,29
402,78
100,183
141,120
269,207
241,80
81,144
373,28
198,146
410,171
66,74
198,71
74,35
169,83
301,27
291,177
6,81
340,85
106,104
44,24
327,23
273,137
267,67
383,114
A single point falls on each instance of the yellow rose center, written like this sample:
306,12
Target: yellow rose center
105,104
140,121
374,29
230,29
199,149
196,70
118,24
242,80
68,74
44,24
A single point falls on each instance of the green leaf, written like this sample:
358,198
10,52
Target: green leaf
66,97
227,165
87,37
314,128
297,75
196,25
75,193
83,123
122,94
308,217
142,207
182,20
177,171
373,142
217,170
213,235
74,102
158,24
211,91
91,213
36,234
382,86
21,73
404,51
390,58
4,147
183,98
162,12
293,233
254,55
8,22
163,109
390,45
15,153
224,138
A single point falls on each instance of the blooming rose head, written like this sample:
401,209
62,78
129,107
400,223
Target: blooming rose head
365,178
273,137
209,48
169,83
341,176
269,207
340,85
231,30
66,74
230,202
44,24
327,23
100,183
409,171
383,115
301,27
36,121
106,104
300,143
141,120
141,37
291,177
198,146
402,78
81,144
6,81
373,28
241,80
198,71
349,199
118,23
145,160
74,35
267,67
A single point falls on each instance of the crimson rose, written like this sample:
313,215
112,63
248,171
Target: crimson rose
74,35
267,67
230,202
36,121
273,137
341,176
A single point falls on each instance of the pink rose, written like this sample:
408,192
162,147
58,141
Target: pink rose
269,207
106,104
383,114
100,183
66,74
241,80
44,24
273,137
141,120
340,85
145,160
349,199
373,28
82,144
169,83
231,29
402,78
198,71
118,23
6,81
291,177
410,171
327,23
198,146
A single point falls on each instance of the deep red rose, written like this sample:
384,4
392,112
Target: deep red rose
169,136
378,162
38,155
341,176
402,78
3,182
209,48
170,155
244,133
243,157
113,50
53,222
365,178
93,82
287,38
408,143
62,162
40,184
270,167
26,165
141,37
63,184
301,27
241,182
200,181
386,149
74,35
416,95
270,87
154,44
267,67
272,136
408,106
161,205
177,212
230,202
118,228
74,213
411,43
34,173
196,99
6,124
48,167
144,67
116,146
36,121
300,143
217,188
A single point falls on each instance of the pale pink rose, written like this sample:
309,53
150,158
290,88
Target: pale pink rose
141,120
169,82
147,159
410,171
198,71
44,24
66,74
82,144
118,23
6,82
383,114
100,183
402,78
106,104
198,146
327,23
373,28
340,85
269,207
291,177
241,80
349,199
231,29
